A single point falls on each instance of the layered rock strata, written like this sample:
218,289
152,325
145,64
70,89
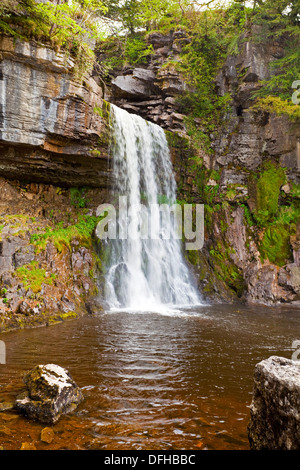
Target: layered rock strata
52,127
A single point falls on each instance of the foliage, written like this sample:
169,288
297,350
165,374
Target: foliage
211,34
62,236
275,244
277,105
280,20
77,198
71,25
267,193
33,277
137,51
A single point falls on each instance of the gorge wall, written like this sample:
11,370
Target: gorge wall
251,167
51,126
53,152
55,171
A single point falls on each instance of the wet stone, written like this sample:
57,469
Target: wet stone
51,392
47,435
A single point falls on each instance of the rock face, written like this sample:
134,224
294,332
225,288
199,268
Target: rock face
151,91
249,137
59,279
224,178
52,128
275,419
50,393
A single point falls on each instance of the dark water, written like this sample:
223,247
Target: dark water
151,381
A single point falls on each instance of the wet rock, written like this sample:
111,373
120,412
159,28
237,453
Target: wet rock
24,256
289,276
5,431
275,418
262,283
6,406
47,435
28,446
50,393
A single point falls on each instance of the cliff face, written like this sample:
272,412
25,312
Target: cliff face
49,268
253,156
54,134
53,142
51,127
257,155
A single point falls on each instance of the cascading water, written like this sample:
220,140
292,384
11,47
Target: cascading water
145,274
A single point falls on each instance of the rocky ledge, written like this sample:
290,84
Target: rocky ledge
275,419
53,129
151,91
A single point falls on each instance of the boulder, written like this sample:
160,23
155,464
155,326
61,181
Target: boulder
130,87
159,40
275,416
51,392
145,75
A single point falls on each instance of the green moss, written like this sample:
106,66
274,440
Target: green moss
276,105
210,193
53,319
231,193
33,278
77,198
96,153
275,245
267,191
226,270
215,175
247,215
62,236
295,191
98,110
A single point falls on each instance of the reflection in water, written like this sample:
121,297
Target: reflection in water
151,381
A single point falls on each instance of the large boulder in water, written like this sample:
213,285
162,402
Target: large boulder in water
275,408
50,393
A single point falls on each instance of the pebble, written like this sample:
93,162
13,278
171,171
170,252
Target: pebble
28,446
47,435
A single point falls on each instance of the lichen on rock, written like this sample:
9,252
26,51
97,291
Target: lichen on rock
275,419
51,392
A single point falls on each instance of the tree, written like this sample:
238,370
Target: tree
280,21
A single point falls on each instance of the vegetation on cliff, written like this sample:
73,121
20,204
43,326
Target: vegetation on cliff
212,32
69,25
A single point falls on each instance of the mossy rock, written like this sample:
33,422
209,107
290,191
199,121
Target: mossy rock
50,393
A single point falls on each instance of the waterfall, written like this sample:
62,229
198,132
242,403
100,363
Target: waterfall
145,274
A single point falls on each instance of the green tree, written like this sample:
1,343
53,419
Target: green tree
71,25
280,20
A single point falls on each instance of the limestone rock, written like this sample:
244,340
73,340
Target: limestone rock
50,393
275,417
145,75
129,87
48,123
159,40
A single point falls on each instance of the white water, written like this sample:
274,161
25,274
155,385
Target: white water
145,274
